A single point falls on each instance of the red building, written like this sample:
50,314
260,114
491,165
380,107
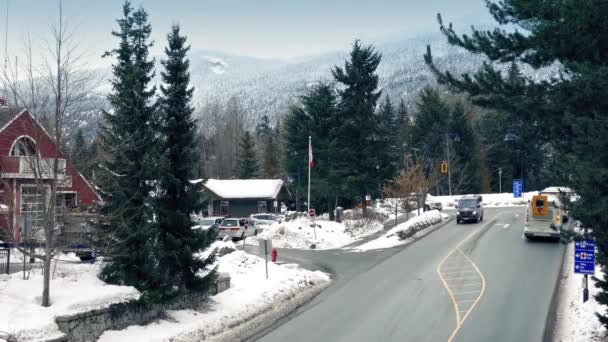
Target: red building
27,155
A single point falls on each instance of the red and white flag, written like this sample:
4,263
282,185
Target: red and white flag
311,162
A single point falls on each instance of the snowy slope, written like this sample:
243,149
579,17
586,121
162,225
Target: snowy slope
391,238
250,297
299,233
74,288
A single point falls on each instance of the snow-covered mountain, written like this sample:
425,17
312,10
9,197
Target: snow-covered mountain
267,87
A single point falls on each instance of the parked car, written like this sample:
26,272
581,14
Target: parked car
432,204
212,222
237,228
470,208
263,220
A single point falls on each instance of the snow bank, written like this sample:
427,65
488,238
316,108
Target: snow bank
576,321
74,288
489,200
250,296
299,233
414,225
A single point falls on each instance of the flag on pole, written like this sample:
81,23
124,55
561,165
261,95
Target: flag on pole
311,162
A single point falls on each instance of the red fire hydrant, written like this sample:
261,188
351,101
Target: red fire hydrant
274,255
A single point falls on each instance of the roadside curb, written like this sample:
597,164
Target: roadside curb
258,322
559,302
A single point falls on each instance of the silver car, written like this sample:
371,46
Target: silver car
237,228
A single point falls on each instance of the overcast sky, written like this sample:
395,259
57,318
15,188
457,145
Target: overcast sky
260,28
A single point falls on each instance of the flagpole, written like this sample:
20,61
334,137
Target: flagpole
309,147
310,163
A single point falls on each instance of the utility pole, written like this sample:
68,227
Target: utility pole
447,145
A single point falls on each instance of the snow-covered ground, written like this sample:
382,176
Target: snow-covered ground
489,200
576,321
299,233
74,288
251,302
391,238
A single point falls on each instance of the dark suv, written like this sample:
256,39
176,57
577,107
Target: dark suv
470,208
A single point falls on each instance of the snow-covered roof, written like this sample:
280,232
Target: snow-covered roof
556,190
244,188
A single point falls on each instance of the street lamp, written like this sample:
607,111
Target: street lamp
512,137
455,138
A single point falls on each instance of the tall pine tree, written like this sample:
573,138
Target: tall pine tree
247,163
178,198
572,109
129,143
357,137
388,135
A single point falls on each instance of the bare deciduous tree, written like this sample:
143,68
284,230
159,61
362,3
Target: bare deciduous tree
410,188
52,91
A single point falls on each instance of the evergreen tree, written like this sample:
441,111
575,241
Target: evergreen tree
389,150
572,110
357,138
316,117
269,140
405,126
129,143
431,123
80,157
463,159
248,164
178,198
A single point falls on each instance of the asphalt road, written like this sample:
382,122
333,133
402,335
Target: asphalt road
468,282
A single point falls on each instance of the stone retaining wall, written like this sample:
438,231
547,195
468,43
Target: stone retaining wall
88,326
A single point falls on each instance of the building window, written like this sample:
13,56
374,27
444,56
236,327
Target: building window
24,146
32,210
262,207
224,208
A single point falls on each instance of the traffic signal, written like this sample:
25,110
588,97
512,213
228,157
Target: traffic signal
444,167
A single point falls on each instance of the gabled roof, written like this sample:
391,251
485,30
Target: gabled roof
8,114
244,188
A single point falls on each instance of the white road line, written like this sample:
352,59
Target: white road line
506,226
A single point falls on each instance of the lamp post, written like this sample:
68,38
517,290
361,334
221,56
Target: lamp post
455,138
514,138
500,180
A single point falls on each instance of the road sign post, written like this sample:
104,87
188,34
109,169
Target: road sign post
266,246
518,188
584,262
312,214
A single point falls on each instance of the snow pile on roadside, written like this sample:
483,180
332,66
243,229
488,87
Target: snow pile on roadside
250,297
489,200
74,288
576,320
299,233
414,226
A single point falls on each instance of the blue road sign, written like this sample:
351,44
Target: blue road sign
518,188
584,257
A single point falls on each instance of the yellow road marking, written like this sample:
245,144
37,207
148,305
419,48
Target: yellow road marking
460,321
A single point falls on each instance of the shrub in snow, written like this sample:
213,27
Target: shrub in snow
418,223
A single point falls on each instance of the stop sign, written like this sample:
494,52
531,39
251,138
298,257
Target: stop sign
311,213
